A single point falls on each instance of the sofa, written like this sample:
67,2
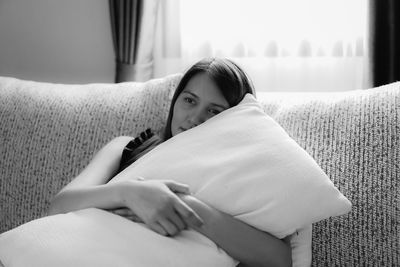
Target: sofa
49,132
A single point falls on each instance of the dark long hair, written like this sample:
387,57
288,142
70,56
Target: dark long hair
231,80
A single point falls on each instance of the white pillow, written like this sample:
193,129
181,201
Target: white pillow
240,162
244,163
94,237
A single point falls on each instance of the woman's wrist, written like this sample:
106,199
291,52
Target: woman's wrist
116,194
125,191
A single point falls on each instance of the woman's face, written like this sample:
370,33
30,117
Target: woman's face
200,100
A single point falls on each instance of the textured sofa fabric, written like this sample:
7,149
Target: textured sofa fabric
355,138
49,132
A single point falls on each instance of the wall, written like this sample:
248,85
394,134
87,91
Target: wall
56,40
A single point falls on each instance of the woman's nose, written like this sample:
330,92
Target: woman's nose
197,117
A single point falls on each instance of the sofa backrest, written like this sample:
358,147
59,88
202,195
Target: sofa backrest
355,137
49,133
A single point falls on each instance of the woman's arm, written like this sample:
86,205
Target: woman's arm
153,201
244,243
89,188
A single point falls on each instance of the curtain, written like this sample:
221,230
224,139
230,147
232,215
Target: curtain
133,29
385,41
285,45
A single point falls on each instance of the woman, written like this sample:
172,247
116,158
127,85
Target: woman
207,88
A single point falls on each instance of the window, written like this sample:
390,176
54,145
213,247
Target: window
284,45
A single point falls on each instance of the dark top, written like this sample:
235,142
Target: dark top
137,147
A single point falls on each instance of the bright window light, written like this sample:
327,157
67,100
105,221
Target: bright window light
253,28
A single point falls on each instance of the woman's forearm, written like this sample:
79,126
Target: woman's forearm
106,196
246,244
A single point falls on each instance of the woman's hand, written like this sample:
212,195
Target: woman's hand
126,213
155,202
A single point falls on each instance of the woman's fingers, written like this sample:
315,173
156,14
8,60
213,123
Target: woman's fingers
177,187
122,212
177,221
169,227
158,205
134,218
127,213
187,214
156,227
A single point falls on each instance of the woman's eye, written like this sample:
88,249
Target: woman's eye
214,111
188,100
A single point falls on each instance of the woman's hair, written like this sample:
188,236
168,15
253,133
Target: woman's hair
231,80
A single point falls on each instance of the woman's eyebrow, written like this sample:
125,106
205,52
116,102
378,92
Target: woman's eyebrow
190,93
